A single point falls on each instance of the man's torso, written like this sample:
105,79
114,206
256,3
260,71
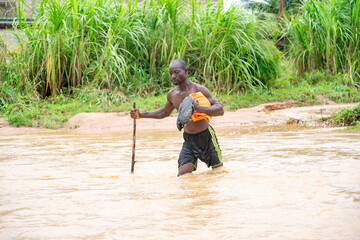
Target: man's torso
176,97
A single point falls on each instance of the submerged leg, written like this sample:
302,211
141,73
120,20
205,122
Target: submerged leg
186,168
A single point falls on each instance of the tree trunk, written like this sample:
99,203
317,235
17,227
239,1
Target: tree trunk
280,13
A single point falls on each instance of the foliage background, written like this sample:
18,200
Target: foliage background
128,47
96,55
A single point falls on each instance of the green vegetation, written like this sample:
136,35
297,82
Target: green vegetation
348,117
326,36
128,47
102,55
345,117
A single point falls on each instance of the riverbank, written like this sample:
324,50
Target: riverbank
278,113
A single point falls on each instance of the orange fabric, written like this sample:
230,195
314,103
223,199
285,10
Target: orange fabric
203,101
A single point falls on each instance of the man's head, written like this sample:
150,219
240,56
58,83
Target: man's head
178,71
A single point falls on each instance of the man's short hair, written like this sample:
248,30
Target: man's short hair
182,62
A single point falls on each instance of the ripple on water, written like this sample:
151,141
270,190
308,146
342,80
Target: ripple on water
276,184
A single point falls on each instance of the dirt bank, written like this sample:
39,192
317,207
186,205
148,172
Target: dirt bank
265,114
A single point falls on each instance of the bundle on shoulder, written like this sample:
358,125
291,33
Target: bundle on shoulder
186,110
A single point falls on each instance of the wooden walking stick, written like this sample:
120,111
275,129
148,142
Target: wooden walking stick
133,145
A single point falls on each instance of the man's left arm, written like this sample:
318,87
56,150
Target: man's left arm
214,110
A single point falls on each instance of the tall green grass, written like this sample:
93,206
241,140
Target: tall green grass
326,36
128,47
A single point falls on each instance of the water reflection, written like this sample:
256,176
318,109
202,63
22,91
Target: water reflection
277,183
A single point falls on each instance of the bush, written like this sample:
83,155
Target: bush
348,116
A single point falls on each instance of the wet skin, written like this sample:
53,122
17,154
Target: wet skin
175,96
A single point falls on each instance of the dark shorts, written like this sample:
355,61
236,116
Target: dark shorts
203,146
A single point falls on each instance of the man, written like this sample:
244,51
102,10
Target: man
200,140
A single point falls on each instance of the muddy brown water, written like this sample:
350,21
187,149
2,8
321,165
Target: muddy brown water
277,183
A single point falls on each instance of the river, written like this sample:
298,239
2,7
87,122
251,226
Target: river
277,183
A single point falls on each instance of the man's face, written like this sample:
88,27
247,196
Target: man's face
177,73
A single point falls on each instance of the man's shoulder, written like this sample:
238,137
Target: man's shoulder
200,88
172,91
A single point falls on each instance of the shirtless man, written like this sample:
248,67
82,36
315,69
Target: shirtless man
199,137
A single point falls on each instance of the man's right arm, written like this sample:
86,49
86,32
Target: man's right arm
158,114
